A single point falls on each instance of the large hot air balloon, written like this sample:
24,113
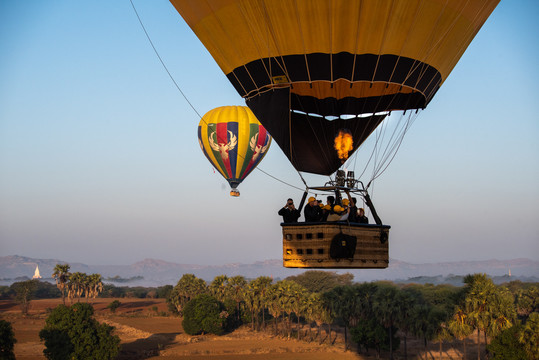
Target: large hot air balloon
234,142
321,76
301,65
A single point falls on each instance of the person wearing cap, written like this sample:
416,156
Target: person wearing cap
289,212
338,214
328,208
361,218
312,211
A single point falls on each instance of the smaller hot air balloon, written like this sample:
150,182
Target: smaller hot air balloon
234,141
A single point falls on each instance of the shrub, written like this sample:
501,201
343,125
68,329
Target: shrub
7,341
114,305
24,292
73,333
204,314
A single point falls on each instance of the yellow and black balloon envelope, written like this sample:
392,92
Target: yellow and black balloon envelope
234,141
310,68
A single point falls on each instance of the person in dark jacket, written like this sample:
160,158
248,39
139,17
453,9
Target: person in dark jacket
289,212
361,218
353,217
312,211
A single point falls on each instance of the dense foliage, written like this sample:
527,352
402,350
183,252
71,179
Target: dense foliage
73,333
321,281
139,292
371,313
7,341
506,345
374,316
529,337
39,290
204,315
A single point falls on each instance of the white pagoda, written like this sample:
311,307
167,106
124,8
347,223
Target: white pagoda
36,273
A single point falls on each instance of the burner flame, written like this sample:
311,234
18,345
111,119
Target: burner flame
344,143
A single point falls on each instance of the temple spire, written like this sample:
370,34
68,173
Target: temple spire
36,273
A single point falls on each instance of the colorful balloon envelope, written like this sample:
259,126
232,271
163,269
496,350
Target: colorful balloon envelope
310,69
234,141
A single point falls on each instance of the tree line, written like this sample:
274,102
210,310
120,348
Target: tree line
374,316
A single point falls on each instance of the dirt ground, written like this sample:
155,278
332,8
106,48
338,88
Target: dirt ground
146,335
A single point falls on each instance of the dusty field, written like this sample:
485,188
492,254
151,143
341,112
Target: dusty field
145,335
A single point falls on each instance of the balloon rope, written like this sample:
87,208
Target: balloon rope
190,104
162,62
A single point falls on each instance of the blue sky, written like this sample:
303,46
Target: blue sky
100,163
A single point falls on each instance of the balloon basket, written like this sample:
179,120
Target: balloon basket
335,245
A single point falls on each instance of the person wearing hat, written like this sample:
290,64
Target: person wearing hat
312,211
289,212
328,208
339,213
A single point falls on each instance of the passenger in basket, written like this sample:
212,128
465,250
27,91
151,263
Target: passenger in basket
328,208
331,201
352,214
312,211
361,218
289,212
338,214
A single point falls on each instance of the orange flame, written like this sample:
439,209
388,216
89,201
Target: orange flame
344,143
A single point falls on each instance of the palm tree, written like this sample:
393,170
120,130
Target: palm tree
273,303
252,301
460,328
438,327
312,302
95,285
503,312
322,315
529,337
331,301
386,309
489,309
285,301
86,286
219,287
262,285
76,285
61,276
188,287
297,302
237,286
420,322
403,317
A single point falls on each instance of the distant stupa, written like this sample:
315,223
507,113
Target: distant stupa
509,272
36,273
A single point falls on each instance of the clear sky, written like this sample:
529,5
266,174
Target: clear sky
100,162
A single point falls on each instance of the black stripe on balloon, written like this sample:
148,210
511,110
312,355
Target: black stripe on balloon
391,69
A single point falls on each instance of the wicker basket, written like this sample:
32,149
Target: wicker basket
309,245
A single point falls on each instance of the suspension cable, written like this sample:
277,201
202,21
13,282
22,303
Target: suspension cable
191,105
